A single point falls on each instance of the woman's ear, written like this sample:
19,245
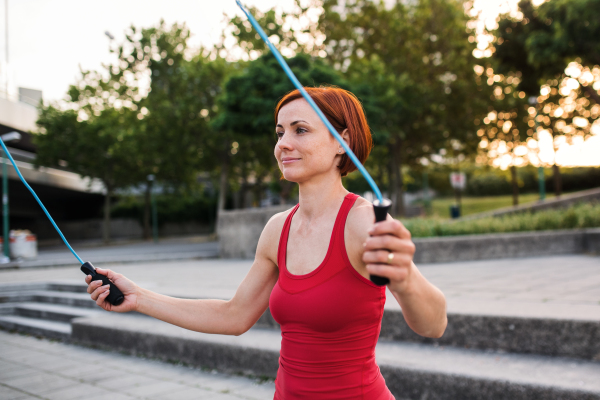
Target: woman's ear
346,136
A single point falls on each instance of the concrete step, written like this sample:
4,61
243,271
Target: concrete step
68,286
412,371
77,286
64,298
516,334
53,312
38,327
6,288
545,336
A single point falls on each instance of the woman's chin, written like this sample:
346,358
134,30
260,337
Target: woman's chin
292,176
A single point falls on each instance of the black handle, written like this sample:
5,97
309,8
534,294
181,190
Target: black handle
115,296
381,211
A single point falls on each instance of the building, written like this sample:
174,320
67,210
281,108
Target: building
67,196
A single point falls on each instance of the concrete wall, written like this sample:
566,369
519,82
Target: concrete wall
239,230
504,245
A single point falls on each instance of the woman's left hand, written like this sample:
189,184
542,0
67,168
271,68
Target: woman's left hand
389,252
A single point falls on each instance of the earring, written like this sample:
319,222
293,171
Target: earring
339,151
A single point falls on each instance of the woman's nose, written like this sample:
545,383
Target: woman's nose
284,142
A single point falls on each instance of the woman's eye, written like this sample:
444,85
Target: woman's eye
300,130
279,134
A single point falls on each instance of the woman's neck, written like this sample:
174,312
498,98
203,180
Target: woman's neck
318,197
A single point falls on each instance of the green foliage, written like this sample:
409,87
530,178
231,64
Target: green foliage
579,216
176,136
179,206
411,64
547,38
246,112
98,147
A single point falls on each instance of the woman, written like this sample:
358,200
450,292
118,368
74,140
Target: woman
312,266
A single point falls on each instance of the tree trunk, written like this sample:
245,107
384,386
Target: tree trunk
223,183
515,185
397,194
592,93
557,180
106,224
147,199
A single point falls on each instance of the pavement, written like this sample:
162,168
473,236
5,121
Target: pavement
563,287
32,368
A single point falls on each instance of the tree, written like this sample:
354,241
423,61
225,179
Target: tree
541,46
505,130
412,63
546,39
247,106
176,138
149,113
99,145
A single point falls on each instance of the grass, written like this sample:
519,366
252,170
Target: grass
579,216
440,207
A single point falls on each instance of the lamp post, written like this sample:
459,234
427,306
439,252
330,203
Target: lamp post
6,138
541,179
6,45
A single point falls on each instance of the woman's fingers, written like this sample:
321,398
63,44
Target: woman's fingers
390,227
383,257
99,291
102,296
108,273
390,243
93,286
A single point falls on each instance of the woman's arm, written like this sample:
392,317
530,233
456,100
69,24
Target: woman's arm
232,317
388,252
368,245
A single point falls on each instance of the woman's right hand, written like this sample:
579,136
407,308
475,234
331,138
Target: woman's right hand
98,293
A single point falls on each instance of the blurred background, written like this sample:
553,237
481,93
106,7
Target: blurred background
132,110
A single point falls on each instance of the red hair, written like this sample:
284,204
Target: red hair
344,111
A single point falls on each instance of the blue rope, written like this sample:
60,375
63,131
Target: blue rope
310,101
38,200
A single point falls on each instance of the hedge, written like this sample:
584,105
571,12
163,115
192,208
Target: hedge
578,216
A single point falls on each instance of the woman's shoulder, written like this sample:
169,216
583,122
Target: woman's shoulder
269,238
276,222
361,217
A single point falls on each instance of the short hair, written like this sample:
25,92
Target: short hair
344,111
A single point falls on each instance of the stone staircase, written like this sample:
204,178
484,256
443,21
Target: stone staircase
44,309
479,357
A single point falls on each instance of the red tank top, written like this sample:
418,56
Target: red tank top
330,321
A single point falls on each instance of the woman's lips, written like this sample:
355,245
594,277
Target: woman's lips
289,160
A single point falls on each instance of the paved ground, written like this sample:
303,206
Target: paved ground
33,368
559,286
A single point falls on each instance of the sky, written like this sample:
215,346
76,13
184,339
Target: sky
50,40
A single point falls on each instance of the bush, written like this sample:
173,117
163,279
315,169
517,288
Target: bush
171,207
579,216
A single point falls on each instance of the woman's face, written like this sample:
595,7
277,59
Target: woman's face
305,148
